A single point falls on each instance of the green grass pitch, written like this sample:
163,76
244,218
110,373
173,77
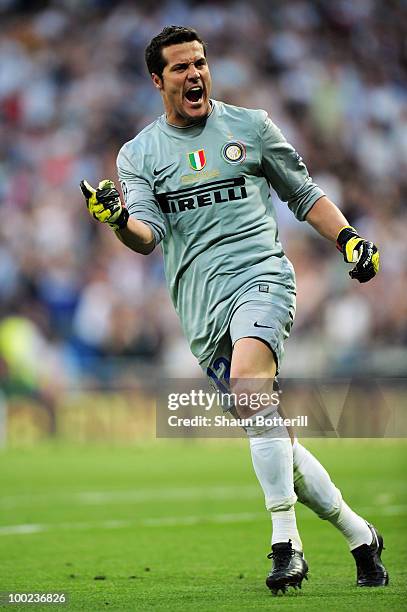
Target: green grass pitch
180,525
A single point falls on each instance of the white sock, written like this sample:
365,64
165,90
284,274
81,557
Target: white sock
352,527
285,528
316,490
313,485
273,463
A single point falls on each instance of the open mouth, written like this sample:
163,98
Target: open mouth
194,94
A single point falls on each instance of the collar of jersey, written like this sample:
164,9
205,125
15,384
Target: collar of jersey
196,127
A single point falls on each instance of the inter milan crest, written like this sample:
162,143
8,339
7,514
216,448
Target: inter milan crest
234,152
197,159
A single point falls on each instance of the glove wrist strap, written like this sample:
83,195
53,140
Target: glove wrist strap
122,220
344,236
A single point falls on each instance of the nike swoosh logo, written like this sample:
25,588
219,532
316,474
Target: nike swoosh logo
157,172
257,325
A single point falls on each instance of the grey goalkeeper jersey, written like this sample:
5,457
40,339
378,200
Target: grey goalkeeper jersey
205,192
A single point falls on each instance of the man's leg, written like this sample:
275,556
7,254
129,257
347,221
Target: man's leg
316,490
252,365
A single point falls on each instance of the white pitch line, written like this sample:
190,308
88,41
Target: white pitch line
21,529
391,510
138,496
169,521
134,495
172,521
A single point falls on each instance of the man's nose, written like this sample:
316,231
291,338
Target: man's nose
193,73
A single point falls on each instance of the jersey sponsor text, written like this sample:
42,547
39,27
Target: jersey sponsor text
190,198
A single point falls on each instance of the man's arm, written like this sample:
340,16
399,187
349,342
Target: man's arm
146,225
104,205
138,236
326,218
288,175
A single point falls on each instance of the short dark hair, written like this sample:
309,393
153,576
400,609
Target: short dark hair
171,35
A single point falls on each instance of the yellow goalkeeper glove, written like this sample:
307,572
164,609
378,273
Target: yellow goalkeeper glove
357,250
104,204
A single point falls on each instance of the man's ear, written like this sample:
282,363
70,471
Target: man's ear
158,82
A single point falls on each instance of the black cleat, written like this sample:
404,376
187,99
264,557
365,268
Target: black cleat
370,569
289,568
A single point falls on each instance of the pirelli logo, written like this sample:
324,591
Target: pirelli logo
190,198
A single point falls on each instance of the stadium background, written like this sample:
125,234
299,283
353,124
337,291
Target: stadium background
86,326
73,89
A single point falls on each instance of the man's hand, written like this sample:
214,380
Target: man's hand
357,250
104,204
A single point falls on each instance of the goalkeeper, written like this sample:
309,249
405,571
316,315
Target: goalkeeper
197,180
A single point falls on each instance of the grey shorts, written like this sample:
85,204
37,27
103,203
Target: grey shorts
265,312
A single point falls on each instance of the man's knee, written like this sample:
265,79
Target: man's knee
252,373
254,396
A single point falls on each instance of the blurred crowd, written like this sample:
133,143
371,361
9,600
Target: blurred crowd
74,302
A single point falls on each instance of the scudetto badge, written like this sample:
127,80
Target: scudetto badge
234,152
197,159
